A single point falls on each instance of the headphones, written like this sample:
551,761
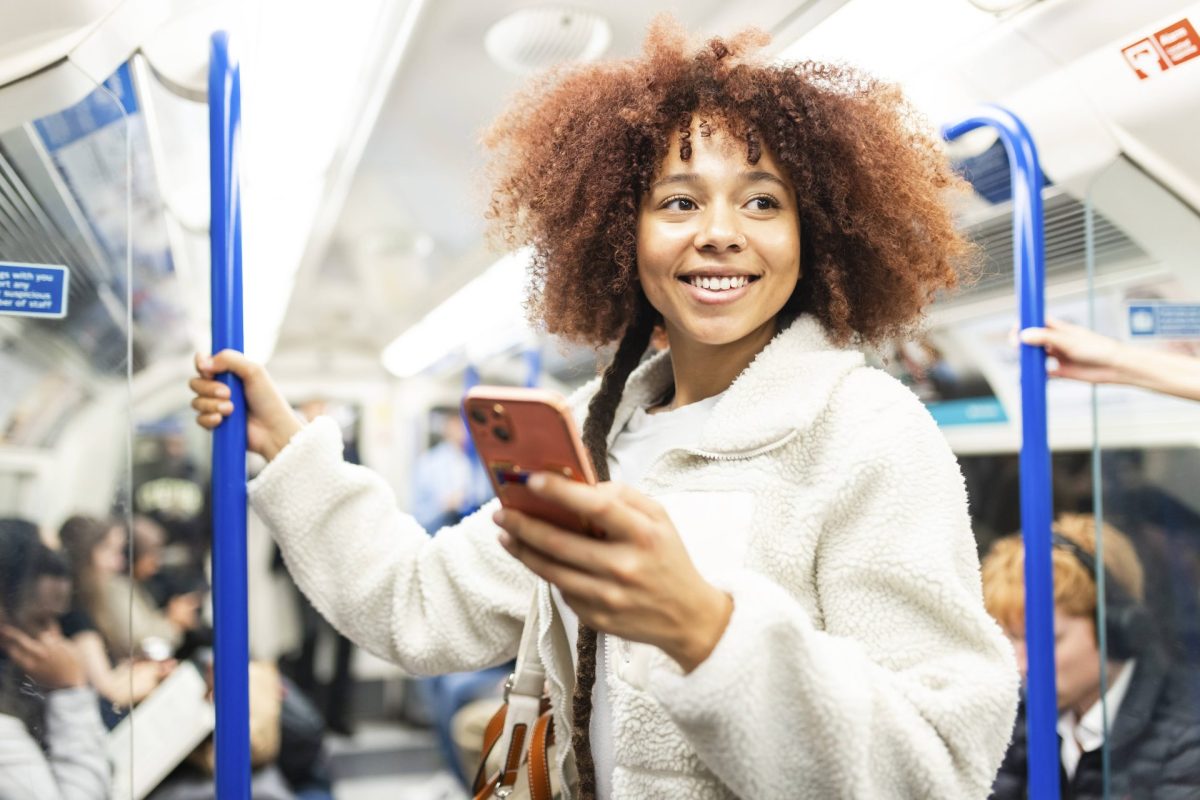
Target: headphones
1128,625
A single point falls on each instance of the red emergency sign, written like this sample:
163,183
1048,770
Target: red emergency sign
1168,47
1178,42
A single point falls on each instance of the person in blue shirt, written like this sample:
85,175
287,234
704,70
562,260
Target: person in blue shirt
446,481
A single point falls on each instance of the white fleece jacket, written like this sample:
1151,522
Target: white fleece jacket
859,661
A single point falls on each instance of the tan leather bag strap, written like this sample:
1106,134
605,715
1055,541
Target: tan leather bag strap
491,735
539,751
510,726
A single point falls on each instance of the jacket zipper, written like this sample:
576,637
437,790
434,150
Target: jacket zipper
736,456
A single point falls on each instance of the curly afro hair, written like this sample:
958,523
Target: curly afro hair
575,151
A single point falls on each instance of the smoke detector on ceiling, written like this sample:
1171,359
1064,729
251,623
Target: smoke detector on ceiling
536,38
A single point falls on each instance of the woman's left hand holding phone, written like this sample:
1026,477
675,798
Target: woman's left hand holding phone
638,582
270,421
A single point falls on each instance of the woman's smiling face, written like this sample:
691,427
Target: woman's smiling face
718,242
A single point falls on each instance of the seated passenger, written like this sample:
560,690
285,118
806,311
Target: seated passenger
95,551
1153,731
51,737
141,616
193,779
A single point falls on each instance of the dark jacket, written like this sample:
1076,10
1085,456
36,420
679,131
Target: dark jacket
1155,744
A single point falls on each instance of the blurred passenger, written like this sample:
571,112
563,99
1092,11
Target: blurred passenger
51,736
786,603
1153,713
443,480
444,491
171,489
99,614
332,696
143,625
1085,355
193,780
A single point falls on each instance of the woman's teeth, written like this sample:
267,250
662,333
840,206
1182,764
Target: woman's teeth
719,284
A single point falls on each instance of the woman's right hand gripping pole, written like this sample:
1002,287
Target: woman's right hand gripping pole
270,421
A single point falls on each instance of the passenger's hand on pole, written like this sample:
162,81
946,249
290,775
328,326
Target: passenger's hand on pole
1082,354
49,659
270,421
638,582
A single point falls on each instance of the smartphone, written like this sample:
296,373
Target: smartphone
521,431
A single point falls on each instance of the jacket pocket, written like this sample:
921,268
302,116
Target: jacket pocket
714,527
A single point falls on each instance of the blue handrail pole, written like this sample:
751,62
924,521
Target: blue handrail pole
231,646
1041,706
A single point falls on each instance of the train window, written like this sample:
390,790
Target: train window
1146,492
67,353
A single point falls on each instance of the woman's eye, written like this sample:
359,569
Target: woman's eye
763,203
680,204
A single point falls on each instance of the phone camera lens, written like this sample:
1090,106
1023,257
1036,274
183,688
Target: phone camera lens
501,433
479,416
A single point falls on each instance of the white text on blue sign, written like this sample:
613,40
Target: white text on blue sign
33,290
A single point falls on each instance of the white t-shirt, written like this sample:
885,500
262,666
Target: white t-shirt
643,440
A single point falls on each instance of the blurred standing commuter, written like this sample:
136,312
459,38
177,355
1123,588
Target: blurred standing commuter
335,696
445,488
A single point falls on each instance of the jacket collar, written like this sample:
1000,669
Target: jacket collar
1137,708
777,396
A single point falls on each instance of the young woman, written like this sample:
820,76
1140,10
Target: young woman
787,603
96,622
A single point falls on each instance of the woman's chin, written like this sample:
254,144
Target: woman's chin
714,333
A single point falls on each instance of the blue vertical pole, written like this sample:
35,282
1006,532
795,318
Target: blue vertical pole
1036,506
231,648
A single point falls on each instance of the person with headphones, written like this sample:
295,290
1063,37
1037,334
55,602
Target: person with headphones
1153,711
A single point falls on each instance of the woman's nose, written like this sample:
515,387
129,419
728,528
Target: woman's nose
720,230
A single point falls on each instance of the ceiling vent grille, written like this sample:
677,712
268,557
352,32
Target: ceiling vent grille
1066,245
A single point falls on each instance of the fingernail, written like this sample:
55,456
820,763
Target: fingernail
537,481
505,540
222,391
499,518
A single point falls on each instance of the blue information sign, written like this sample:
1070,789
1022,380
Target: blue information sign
1158,319
33,290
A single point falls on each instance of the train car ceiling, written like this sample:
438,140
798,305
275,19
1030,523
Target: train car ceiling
363,172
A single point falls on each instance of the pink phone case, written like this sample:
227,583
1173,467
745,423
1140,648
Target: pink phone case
520,431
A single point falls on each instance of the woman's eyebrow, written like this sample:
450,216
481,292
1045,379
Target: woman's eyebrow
678,177
759,175
753,176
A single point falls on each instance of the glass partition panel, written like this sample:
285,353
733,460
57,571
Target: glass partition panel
69,669
1146,463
